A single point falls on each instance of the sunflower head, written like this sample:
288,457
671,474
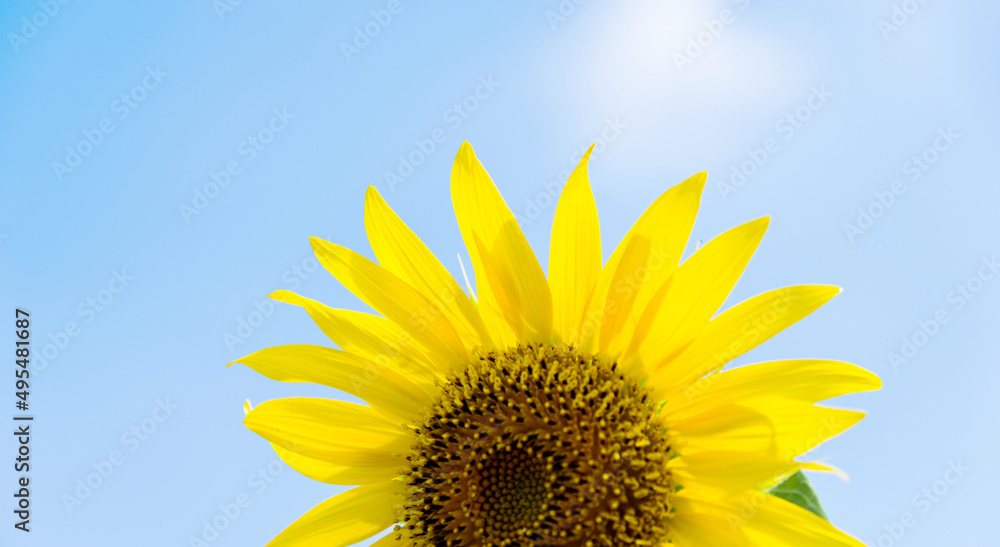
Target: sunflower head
583,406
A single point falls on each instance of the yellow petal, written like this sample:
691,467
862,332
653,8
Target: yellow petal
504,281
666,225
728,472
401,252
333,473
784,524
621,301
345,519
735,332
774,428
764,520
370,336
395,300
483,216
334,431
690,529
820,467
384,389
574,254
809,380
696,292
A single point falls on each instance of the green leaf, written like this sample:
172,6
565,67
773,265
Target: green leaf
796,489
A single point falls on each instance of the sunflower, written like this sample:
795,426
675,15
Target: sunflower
584,408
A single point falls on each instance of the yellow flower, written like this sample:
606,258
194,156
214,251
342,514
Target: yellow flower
587,408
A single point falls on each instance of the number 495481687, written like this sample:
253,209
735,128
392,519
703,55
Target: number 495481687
21,324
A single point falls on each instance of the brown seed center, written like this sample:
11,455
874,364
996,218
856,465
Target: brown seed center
508,491
539,446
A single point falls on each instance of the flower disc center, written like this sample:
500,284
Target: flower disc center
508,491
538,446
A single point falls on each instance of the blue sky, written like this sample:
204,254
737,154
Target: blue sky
164,165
